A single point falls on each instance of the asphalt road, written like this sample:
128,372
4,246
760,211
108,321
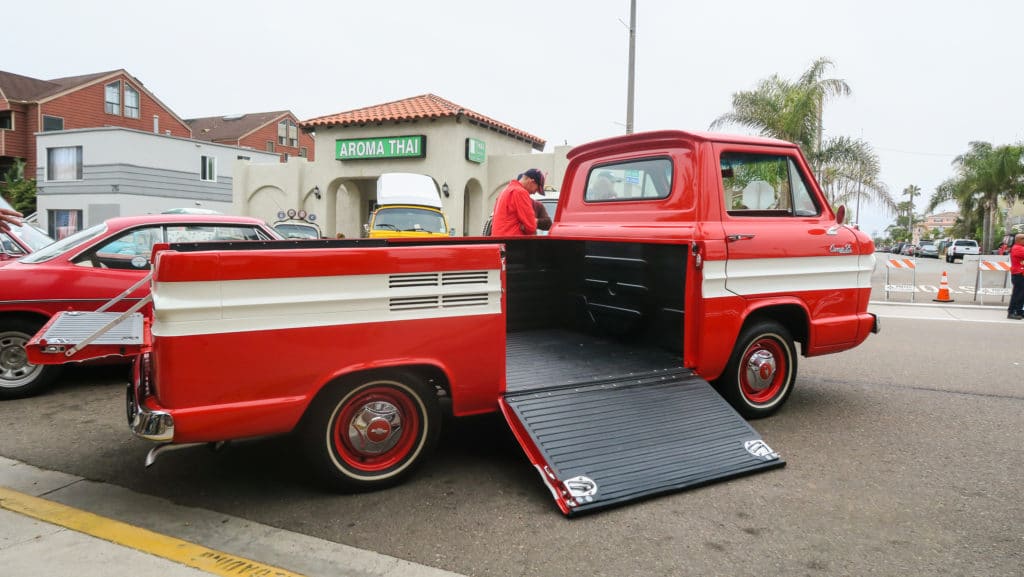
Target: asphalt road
903,459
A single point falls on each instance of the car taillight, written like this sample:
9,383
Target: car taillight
146,386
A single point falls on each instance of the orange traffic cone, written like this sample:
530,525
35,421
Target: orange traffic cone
943,296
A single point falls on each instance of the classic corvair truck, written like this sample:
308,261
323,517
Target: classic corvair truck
699,259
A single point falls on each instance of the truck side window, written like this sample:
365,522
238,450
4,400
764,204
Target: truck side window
765,185
646,179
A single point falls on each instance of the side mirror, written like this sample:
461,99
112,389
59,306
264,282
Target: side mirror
841,214
451,231
366,228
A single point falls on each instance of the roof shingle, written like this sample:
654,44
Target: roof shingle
425,106
219,128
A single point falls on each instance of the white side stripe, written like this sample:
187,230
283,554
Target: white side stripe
748,277
209,307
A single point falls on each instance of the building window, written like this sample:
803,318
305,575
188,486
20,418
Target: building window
6,120
270,146
208,168
131,102
112,97
287,133
64,163
303,152
64,223
51,123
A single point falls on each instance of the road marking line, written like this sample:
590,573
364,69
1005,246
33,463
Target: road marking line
196,556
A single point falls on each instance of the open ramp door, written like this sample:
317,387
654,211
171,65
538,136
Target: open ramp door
607,442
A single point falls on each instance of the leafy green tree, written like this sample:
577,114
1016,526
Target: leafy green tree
984,176
847,169
21,193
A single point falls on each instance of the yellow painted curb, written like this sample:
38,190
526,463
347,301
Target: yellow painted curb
190,554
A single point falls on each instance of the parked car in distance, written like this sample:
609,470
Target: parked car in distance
297,229
85,270
960,248
908,249
927,249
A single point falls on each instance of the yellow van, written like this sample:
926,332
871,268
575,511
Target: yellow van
408,205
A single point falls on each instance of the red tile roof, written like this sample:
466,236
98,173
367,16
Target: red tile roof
426,106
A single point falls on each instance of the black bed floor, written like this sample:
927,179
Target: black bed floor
554,357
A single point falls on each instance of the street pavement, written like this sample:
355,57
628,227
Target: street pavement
48,525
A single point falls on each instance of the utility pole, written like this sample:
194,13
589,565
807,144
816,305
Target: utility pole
632,66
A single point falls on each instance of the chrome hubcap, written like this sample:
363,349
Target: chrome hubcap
761,370
375,428
15,369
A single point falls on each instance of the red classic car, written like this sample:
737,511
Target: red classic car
19,241
85,270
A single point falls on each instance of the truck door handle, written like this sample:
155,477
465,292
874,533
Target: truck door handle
735,237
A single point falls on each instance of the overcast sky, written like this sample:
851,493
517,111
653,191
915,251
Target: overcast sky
927,77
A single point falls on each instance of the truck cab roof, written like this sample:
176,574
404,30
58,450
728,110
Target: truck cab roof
407,188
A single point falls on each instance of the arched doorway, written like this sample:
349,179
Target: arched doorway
474,212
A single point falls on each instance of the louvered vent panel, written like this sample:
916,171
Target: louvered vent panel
468,277
413,303
471,300
413,280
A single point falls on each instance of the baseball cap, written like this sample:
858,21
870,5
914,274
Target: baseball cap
537,177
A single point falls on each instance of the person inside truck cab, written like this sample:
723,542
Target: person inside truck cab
603,188
514,213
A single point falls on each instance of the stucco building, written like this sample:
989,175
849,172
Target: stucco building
469,155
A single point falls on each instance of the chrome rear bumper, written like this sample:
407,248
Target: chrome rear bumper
151,425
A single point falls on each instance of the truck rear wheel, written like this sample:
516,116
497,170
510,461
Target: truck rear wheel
371,432
18,377
761,371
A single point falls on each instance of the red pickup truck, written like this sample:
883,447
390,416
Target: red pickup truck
609,344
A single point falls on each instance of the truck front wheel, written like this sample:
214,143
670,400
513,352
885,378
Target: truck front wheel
761,371
371,432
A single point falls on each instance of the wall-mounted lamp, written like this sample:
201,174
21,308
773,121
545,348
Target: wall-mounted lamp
316,192
444,189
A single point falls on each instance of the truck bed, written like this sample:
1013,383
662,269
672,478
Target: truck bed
550,358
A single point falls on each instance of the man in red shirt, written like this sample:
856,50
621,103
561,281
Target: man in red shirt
1016,308
514,214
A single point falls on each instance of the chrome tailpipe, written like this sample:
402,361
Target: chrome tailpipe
167,447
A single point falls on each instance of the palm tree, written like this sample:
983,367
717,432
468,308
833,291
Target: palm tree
911,191
778,108
985,174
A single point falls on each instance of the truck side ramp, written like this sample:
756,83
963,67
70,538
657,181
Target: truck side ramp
614,440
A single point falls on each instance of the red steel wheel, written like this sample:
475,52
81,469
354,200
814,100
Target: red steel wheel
761,376
376,428
761,371
371,432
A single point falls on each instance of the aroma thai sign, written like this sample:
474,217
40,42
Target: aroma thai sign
409,146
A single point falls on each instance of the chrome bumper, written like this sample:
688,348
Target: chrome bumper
151,425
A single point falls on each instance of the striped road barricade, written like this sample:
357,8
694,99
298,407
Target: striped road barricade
903,265
991,268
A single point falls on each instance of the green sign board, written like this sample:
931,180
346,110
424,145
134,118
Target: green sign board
410,146
476,150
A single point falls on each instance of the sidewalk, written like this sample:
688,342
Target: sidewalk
941,311
52,523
